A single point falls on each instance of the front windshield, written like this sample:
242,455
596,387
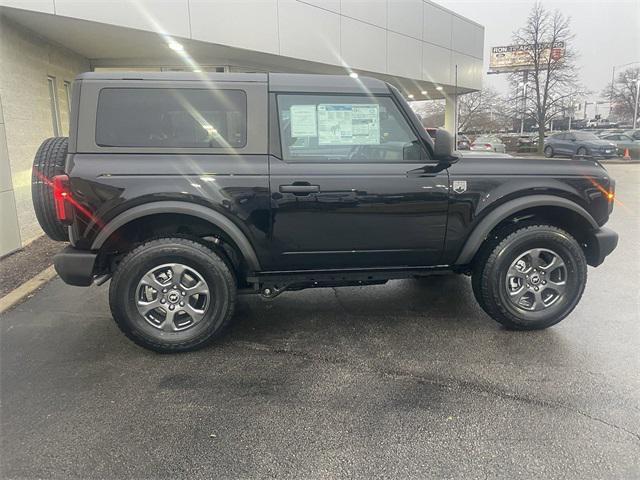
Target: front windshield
585,136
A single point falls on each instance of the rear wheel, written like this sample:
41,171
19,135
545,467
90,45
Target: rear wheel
581,151
49,161
172,295
548,151
532,278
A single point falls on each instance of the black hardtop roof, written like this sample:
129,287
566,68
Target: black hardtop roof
278,82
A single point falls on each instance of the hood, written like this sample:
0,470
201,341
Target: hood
498,165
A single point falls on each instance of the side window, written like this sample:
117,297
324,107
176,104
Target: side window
340,128
171,118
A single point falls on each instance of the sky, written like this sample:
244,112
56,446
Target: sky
607,32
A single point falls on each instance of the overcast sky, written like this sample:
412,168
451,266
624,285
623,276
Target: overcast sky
607,32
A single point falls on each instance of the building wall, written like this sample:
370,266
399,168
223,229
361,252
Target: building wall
415,39
27,60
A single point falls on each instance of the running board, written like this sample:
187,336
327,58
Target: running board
271,284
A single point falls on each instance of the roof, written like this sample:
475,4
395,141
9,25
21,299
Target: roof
177,76
278,82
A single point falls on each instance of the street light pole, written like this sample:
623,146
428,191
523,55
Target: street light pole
635,110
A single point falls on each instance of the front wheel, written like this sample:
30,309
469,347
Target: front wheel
581,152
548,151
172,295
531,278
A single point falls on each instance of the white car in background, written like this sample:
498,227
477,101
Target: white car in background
488,143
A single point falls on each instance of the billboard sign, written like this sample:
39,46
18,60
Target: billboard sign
519,58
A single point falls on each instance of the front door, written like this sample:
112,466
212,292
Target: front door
350,190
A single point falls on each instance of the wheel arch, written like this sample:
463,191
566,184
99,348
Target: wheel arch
212,217
561,211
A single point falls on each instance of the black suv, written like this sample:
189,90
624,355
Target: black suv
187,189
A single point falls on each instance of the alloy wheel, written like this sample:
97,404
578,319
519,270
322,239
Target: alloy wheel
172,297
536,280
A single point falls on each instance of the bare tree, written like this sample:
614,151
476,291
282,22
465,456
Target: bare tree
552,81
482,111
623,94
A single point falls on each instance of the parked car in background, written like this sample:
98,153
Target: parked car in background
488,143
578,143
624,142
431,131
601,123
635,134
527,143
463,142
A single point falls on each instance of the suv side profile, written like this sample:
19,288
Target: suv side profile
188,189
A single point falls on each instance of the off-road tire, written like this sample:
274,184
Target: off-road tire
492,262
215,272
49,161
548,151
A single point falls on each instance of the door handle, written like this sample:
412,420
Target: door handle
302,188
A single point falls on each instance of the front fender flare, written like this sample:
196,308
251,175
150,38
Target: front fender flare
185,208
492,219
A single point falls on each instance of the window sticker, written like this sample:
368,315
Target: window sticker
348,124
303,121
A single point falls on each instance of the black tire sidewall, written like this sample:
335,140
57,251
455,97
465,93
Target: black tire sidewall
214,272
582,149
48,162
575,263
548,149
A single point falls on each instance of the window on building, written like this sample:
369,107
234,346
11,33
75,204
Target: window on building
339,128
171,118
53,101
67,91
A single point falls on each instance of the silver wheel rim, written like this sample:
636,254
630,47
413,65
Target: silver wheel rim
172,297
536,280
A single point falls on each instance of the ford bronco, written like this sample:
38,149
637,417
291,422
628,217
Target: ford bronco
186,189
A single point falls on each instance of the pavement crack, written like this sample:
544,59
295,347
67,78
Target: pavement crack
446,383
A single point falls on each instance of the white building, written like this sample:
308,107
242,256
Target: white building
425,50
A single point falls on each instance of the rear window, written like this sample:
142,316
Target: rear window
171,118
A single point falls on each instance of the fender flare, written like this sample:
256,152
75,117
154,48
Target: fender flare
185,208
483,228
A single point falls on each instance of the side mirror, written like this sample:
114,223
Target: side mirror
443,146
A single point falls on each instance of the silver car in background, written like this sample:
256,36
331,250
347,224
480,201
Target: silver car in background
488,143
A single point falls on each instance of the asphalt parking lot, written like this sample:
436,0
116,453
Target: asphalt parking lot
409,379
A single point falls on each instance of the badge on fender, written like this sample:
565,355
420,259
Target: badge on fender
459,186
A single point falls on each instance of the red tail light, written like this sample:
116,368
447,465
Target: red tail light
487,145
61,196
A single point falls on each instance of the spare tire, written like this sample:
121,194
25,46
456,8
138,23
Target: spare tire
49,162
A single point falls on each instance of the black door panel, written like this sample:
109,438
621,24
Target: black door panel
356,215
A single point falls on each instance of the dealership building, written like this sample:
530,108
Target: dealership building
425,50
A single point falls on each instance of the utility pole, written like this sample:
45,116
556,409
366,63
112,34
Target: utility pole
635,110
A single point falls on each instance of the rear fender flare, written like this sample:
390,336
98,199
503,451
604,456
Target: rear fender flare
492,219
185,208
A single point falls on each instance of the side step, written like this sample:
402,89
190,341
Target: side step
271,284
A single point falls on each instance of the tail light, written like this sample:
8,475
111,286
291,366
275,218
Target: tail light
61,197
611,195
487,145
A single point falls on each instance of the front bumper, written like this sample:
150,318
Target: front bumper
75,267
601,243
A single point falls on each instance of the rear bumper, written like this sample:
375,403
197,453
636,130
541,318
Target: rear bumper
602,242
75,267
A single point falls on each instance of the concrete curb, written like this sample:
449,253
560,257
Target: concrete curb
15,296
